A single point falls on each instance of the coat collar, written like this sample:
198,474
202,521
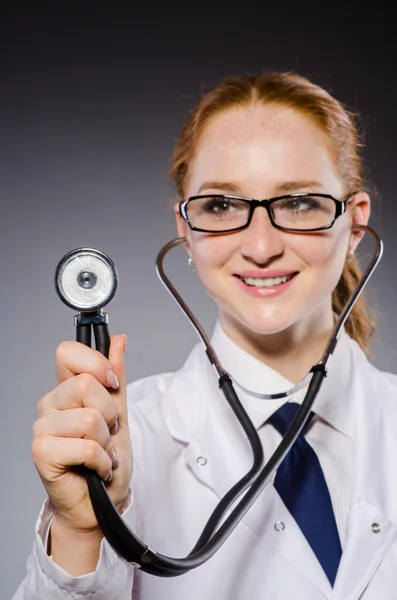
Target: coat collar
193,397
333,407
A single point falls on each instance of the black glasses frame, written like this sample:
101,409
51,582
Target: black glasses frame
340,209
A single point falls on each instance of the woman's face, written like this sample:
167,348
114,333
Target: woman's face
260,152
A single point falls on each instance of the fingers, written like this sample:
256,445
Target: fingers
85,423
80,391
74,358
78,425
83,374
67,452
116,359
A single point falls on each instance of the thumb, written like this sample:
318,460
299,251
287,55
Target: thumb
118,344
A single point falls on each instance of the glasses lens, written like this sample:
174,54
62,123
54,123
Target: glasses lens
217,213
303,212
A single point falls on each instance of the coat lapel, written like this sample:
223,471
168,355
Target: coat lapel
371,527
193,409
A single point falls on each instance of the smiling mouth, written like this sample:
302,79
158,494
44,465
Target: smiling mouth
268,281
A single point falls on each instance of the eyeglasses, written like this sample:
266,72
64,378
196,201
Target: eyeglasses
220,213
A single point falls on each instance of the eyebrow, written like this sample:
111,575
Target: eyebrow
284,187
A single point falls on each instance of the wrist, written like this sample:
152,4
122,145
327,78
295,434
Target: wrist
75,550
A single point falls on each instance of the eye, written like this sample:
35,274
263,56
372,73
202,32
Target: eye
217,212
220,205
300,204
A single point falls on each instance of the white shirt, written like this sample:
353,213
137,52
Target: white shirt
178,419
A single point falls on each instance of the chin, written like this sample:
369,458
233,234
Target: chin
259,325
279,321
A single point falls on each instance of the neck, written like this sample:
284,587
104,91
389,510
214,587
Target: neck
291,352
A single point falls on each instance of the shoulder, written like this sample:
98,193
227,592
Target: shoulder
140,390
391,378
146,397
385,383
390,381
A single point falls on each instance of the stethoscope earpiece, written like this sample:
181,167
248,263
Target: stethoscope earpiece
86,279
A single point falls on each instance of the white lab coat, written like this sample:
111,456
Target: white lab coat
189,450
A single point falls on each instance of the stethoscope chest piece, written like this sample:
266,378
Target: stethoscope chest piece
86,279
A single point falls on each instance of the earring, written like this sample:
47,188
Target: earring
350,255
191,264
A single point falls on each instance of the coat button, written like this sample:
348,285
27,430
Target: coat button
201,460
279,526
375,527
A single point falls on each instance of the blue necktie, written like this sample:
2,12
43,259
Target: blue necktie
301,485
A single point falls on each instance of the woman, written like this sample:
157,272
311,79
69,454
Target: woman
279,272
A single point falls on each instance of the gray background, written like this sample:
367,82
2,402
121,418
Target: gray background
92,97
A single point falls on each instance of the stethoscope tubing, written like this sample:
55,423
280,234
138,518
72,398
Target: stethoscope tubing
123,540
101,336
126,543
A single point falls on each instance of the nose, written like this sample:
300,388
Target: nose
261,243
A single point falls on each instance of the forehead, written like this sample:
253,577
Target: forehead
260,121
263,141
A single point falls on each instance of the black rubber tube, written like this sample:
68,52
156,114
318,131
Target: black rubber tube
102,338
83,334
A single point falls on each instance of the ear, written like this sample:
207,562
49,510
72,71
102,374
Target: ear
361,209
181,225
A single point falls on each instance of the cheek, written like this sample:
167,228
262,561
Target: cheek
325,253
211,251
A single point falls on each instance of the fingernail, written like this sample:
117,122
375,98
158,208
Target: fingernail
114,459
112,380
109,477
125,341
114,428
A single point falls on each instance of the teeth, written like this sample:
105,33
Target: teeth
268,282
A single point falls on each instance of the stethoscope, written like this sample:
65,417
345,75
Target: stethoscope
86,280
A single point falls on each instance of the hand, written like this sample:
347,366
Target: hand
84,421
